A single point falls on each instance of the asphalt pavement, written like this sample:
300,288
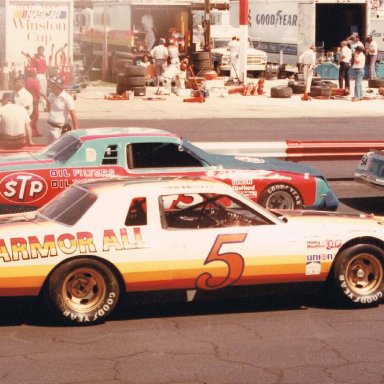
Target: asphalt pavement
92,104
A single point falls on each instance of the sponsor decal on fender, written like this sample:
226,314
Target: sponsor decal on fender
328,244
21,187
33,247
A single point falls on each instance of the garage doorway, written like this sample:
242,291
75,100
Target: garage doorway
335,22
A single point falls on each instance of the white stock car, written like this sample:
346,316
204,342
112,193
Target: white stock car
97,240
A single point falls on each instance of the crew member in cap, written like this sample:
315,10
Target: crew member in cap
61,107
160,56
22,96
15,128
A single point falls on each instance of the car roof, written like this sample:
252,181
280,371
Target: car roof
167,184
109,132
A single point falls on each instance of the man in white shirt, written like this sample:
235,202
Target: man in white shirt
371,52
22,96
234,48
160,56
307,61
61,106
345,64
15,127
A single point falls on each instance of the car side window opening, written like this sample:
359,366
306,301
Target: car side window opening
110,155
137,212
207,210
159,155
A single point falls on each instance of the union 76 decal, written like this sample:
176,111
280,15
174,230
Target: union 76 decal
233,260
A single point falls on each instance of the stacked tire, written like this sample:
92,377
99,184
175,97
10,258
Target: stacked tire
298,87
281,92
201,62
133,79
375,83
322,88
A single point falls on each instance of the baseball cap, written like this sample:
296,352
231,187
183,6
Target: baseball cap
58,81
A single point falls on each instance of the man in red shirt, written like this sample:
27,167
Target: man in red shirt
33,87
39,62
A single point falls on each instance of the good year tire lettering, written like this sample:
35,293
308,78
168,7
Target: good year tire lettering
233,260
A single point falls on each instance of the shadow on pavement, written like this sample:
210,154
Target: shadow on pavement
373,204
30,311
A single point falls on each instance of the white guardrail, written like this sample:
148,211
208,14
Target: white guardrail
251,148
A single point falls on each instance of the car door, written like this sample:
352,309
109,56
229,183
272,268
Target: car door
233,252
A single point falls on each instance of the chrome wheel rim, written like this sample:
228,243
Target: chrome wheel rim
84,290
364,274
280,200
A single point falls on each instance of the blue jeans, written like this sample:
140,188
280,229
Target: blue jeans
359,73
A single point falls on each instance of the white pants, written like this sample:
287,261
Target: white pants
42,80
234,66
52,133
308,76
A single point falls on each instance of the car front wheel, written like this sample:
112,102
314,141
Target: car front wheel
359,275
82,291
281,196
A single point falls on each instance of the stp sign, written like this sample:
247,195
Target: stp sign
23,188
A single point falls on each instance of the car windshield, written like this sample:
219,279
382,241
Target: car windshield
197,152
68,207
221,43
63,149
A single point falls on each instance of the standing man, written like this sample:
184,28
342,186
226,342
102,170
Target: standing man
15,128
160,56
33,87
60,106
22,96
345,64
148,26
307,61
358,70
354,41
234,48
39,62
371,51
173,52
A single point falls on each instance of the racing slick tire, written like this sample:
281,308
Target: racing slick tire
320,91
358,275
134,70
375,83
138,91
281,92
298,87
281,196
82,291
324,83
134,81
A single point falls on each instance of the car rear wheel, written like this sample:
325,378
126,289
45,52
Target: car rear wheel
82,291
359,275
281,196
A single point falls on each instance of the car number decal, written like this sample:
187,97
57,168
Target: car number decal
233,260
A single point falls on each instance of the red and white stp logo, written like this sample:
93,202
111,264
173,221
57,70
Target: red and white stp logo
23,188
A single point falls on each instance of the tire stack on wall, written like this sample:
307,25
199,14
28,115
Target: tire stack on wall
132,79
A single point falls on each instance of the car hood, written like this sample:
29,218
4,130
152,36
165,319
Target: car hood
260,163
19,218
320,218
22,160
